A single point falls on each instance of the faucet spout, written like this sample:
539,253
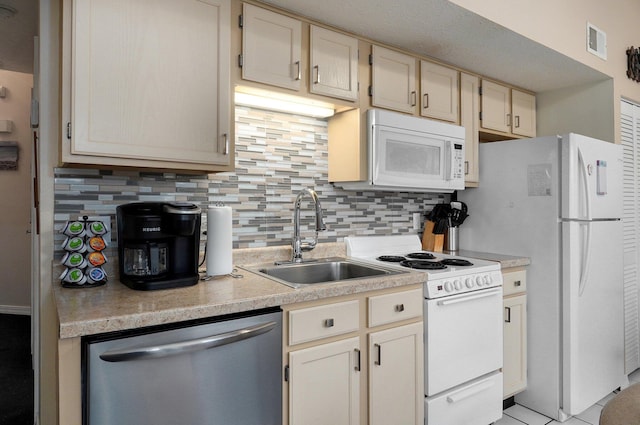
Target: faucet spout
296,243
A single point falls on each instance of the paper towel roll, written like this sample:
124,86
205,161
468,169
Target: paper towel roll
219,241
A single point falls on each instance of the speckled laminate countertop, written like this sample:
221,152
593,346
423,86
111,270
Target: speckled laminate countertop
114,307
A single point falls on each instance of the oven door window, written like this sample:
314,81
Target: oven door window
463,338
407,158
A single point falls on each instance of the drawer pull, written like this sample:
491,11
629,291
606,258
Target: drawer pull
508,319
517,283
328,323
357,367
399,308
378,361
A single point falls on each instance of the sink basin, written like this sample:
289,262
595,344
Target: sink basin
326,270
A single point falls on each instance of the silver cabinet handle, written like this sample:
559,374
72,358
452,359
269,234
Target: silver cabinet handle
509,119
517,283
517,118
378,361
182,347
299,73
508,319
328,323
358,366
317,79
225,149
413,98
399,308
425,100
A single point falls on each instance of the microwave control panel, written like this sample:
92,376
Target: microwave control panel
458,161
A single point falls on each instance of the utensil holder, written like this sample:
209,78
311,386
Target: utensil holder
451,239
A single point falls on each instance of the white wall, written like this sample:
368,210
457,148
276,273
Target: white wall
15,192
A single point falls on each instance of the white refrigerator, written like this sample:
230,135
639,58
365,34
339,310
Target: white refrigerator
558,200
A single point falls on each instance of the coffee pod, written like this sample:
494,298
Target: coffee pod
96,243
96,275
96,259
74,244
74,276
74,228
74,260
96,228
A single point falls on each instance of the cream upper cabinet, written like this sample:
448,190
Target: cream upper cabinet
496,107
508,110
523,107
324,384
271,48
147,84
514,369
334,64
470,120
396,375
438,92
393,77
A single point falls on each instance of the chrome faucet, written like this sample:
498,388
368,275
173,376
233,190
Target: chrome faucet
296,243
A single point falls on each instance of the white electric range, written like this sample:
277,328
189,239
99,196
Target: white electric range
463,315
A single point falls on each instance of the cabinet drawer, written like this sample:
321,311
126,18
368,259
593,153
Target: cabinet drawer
514,282
394,307
314,323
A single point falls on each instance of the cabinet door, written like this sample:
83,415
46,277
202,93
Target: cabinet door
515,345
396,387
271,48
334,64
393,80
438,92
150,80
324,384
470,120
524,113
496,107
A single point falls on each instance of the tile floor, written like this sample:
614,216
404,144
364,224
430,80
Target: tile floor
519,415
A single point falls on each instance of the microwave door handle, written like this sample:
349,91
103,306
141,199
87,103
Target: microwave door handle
448,159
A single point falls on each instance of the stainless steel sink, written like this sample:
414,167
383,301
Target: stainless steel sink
327,270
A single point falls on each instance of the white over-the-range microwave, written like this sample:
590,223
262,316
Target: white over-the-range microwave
411,154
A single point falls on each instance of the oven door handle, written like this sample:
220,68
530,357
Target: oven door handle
472,297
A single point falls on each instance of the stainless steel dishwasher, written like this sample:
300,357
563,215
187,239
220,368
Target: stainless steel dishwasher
222,372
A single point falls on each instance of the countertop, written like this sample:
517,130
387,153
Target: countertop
114,307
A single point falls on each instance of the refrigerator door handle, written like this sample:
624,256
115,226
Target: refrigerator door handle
585,175
586,253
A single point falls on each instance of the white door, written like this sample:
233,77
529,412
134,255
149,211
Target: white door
324,384
463,338
630,132
591,178
396,393
592,317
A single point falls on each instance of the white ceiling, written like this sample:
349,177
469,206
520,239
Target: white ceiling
445,31
16,36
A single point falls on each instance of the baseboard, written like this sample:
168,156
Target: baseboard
15,309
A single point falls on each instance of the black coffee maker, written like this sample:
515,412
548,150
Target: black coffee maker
158,244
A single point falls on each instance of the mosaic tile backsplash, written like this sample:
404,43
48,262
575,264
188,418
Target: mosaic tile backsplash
277,155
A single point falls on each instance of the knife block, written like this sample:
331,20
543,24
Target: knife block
431,241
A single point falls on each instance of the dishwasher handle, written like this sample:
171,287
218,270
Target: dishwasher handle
182,347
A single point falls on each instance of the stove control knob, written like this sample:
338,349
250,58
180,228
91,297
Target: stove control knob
457,284
448,286
479,280
488,280
469,283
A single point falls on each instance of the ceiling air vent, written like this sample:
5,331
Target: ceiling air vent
596,41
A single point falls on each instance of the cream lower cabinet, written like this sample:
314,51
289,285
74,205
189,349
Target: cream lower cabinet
396,376
356,359
324,384
150,97
515,332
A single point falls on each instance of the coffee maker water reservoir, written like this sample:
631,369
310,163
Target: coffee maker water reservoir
158,244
